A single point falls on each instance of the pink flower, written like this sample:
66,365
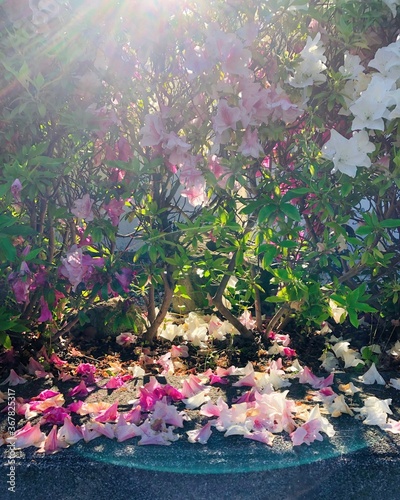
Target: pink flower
247,381
153,130
221,173
168,414
247,320
117,382
307,377
46,394
196,194
79,390
124,150
21,283
49,402
45,313
54,415
134,416
89,432
200,435
13,379
180,351
75,407
109,415
192,386
307,433
83,208
69,433
263,436
288,352
106,429
16,188
237,60
215,379
27,436
117,175
126,339
166,362
87,371
211,409
124,430
56,360
226,117
114,209
72,266
250,145
125,278
21,289
35,368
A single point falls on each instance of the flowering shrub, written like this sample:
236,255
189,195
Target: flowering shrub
236,139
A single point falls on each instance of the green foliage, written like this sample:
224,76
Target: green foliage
129,127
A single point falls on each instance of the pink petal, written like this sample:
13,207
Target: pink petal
156,439
134,416
307,377
80,390
124,430
56,360
46,394
247,381
75,407
34,366
89,432
27,436
111,414
106,429
52,444
264,436
13,379
69,433
192,386
167,413
200,435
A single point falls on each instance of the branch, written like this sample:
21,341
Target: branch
151,332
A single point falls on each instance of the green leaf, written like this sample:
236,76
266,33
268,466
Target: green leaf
266,212
353,319
7,250
346,189
5,340
153,254
364,230
295,193
42,109
290,211
251,206
390,223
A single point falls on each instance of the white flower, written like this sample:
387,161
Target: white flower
349,356
395,383
395,350
326,427
375,411
329,361
352,67
197,400
372,106
387,61
372,376
311,65
348,154
339,406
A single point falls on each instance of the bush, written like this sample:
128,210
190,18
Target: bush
256,138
